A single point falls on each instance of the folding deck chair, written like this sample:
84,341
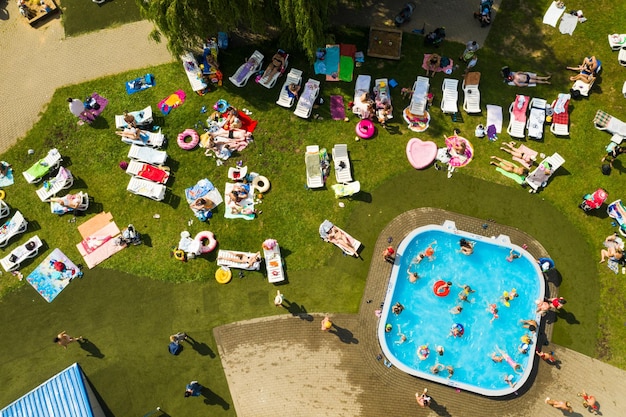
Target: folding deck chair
62,181
146,188
63,205
4,209
18,255
450,96
12,227
193,72
143,119
613,125
149,172
361,86
517,117
617,41
147,155
342,163
537,118
247,69
540,176
335,235
471,93
560,118
43,167
382,94
293,77
419,99
307,99
314,172
238,259
150,139
271,82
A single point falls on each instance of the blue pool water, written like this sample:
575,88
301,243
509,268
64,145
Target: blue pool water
427,320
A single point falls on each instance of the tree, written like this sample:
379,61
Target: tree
301,24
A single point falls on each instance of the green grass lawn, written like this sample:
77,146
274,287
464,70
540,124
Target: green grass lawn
128,316
82,16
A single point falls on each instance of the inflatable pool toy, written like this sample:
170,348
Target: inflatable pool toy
223,275
423,352
179,255
207,239
546,264
420,153
505,295
261,183
194,139
457,160
441,292
416,123
221,105
457,330
365,129
2,194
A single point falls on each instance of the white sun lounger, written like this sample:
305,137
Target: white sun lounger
517,117
471,93
617,41
540,176
307,99
537,118
153,139
149,172
450,93
419,99
342,163
382,94
362,86
193,72
327,232
62,181
57,208
274,264
4,209
247,69
45,165
293,77
143,118
235,259
271,82
147,155
18,255
12,227
611,124
314,172
146,188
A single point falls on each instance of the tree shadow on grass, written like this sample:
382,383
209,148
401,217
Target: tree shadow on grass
211,398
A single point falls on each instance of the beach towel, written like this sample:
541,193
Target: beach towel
562,117
203,188
447,69
568,24
337,108
140,84
561,103
553,14
494,117
6,180
519,108
94,105
99,239
346,62
172,101
517,178
242,210
331,60
153,173
53,275
246,122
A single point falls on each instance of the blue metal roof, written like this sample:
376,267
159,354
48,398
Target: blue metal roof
63,395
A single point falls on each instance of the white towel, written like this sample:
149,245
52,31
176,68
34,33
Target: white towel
559,106
494,117
553,14
568,24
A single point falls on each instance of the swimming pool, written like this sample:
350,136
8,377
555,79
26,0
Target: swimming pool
427,320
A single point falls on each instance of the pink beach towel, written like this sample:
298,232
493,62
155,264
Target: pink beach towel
172,101
519,107
337,108
440,69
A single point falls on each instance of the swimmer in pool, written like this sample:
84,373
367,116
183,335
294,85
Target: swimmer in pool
413,276
429,253
496,357
493,310
440,350
467,289
530,325
436,368
444,287
467,247
509,380
450,370
397,308
402,337
456,309
512,255
463,297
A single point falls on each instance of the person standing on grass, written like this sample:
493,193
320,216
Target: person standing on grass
193,389
64,339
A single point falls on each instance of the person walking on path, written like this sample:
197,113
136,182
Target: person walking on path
64,339
423,399
193,389
278,300
470,50
327,324
389,254
589,402
561,405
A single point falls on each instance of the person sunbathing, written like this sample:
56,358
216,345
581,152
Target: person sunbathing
384,113
508,166
71,200
129,119
240,258
434,62
231,119
561,405
613,253
238,193
202,203
240,134
524,79
133,133
277,64
587,69
340,238
509,147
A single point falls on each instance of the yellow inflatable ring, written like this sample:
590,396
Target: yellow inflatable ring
2,194
180,255
261,183
223,275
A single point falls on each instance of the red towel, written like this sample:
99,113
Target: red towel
561,118
247,123
346,49
153,173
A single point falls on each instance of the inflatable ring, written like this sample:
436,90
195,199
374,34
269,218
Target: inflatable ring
261,183
223,275
365,129
180,255
210,244
423,352
457,330
443,292
182,139
221,105
2,194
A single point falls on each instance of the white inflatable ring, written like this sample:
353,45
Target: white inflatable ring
261,183
210,244
182,139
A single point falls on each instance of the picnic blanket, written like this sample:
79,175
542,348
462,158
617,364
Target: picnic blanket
553,14
447,69
140,84
519,107
494,117
203,188
337,108
99,242
6,180
94,110
53,275
568,24
242,210
172,101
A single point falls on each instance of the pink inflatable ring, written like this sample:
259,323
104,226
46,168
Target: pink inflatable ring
207,239
365,129
194,139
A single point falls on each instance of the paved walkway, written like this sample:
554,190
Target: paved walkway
286,363
35,62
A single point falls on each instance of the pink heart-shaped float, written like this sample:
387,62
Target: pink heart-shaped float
420,153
